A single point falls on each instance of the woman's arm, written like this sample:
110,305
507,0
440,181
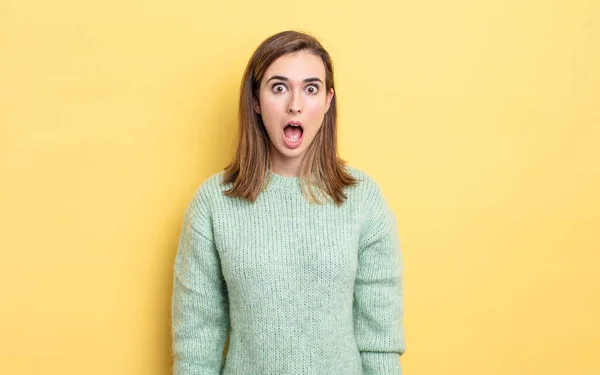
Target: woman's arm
378,293
199,306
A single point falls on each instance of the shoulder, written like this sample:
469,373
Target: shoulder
368,192
211,187
366,185
378,218
200,207
213,183
209,190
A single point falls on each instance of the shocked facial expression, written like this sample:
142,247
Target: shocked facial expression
292,102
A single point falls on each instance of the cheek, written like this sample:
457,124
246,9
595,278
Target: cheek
316,110
271,115
270,107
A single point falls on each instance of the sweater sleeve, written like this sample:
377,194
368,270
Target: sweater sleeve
200,315
378,293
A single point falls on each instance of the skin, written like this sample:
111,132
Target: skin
298,94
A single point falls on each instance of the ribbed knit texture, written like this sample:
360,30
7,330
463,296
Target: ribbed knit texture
303,288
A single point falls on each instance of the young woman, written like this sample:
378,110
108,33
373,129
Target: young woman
293,253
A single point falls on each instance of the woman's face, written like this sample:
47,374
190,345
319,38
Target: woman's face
293,91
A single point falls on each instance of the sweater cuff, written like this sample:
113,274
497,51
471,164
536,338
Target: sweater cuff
380,363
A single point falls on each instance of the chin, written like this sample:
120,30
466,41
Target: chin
285,152
294,153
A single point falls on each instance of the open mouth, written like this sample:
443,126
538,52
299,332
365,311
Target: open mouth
292,133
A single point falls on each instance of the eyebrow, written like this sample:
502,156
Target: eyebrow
282,78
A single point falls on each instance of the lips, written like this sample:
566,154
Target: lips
293,134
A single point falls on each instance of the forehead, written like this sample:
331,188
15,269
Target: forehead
297,66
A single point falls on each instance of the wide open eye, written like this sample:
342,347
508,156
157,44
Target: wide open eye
312,89
278,88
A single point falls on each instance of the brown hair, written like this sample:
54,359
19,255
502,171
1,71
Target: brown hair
321,167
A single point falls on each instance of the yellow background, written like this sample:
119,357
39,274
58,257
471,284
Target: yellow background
479,119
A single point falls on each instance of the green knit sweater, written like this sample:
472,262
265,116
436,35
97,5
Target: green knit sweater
301,288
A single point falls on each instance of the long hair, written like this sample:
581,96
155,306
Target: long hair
322,172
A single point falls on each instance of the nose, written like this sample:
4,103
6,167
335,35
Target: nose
295,103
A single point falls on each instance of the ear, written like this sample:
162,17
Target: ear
330,95
256,105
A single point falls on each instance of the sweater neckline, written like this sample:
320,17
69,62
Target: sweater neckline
281,182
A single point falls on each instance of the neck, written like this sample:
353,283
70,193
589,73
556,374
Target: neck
287,167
